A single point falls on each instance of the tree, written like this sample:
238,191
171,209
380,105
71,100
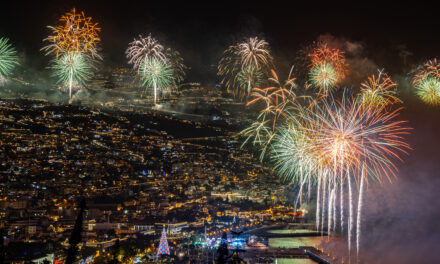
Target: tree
235,258
2,247
116,251
76,237
222,250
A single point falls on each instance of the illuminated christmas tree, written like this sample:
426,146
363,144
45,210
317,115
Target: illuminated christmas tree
163,245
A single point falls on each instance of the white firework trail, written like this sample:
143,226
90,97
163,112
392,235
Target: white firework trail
350,212
329,210
334,207
359,211
323,205
318,203
341,201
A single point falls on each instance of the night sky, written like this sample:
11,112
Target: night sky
202,31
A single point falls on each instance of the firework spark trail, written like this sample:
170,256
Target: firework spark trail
299,196
329,208
334,190
259,134
301,188
334,206
70,81
324,201
275,97
309,189
359,211
350,212
276,101
341,200
176,62
250,77
318,201
228,68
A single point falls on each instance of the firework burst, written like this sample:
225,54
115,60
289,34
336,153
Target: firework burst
74,42
156,74
252,53
76,33
293,154
430,69
324,77
335,142
276,97
429,90
276,101
144,48
426,81
378,91
248,78
176,62
72,69
8,58
227,69
334,57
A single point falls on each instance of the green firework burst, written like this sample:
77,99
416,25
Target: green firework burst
72,68
429,90
156,74
8,57
292,151
324,77
248,78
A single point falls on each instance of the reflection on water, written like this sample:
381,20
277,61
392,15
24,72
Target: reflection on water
294,261
291,231
293,242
